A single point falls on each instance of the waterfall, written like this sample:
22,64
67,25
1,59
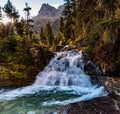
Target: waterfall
65,69
64,75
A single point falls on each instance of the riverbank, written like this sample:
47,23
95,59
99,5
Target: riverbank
102,105
22,68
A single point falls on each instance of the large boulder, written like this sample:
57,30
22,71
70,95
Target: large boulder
103,105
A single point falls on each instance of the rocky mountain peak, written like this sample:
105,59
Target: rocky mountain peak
47,14
47,11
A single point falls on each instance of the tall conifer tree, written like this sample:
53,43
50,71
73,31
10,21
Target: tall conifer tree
0,13
69,14
49,34
42,36
11,11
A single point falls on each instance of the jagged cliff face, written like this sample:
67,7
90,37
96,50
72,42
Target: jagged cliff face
49,12
46,14
61,8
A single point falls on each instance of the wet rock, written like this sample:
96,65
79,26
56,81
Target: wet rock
64,48
91,68
103,105
41,56
69,47
58,48
119,105
114,96
113,84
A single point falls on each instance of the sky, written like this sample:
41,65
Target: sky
34,4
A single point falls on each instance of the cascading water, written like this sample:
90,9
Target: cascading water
63,81
66,69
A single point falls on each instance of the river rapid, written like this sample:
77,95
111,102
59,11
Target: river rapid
62,81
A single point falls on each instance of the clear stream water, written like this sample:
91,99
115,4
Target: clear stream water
63,81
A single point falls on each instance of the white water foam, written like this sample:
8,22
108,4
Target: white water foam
93,93
65,69
64,72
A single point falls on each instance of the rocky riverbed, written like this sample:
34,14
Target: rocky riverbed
103,105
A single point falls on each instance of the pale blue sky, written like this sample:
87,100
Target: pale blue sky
34,4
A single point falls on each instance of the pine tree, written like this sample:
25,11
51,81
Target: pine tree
61,25
20,27
11,11
68,19
2,30
42,36
67,9
28,25
73,7
69,14
0,13
85,16
27,11
49,34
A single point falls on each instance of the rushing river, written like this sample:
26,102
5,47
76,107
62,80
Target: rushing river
63,81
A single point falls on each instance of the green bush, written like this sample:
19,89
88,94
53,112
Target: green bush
7,49
90,41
